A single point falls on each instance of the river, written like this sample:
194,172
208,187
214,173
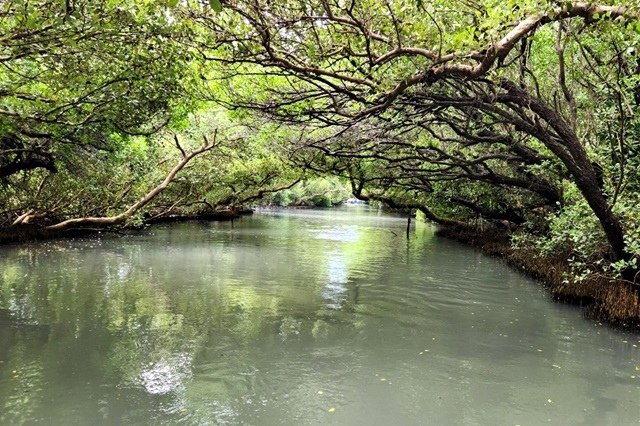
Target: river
297,317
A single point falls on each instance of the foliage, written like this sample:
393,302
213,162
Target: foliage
517,115
314,192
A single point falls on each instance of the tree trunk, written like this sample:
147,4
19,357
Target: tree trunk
567,147
122,217
610,223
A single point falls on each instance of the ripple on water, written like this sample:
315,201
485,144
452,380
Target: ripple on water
347,234
297,318
166,375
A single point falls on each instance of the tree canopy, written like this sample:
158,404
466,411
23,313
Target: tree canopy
500,110
518,115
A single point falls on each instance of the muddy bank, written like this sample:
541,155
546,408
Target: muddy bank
32,232
603,298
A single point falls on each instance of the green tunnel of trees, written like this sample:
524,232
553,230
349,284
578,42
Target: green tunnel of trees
516,115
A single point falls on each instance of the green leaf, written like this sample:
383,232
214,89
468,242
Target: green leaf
216,5
172,3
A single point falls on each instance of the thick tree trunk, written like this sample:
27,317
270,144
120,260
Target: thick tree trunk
610,223
568,148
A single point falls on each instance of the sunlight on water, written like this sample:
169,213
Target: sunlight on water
166,375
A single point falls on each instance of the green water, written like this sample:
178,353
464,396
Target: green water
297,317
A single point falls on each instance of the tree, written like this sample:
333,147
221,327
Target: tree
503,92
76,72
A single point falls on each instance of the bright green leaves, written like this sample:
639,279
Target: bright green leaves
72,90
216,5
634,25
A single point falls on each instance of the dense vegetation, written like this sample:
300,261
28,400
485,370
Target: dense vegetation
512,116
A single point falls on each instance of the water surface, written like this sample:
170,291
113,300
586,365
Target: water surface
297,317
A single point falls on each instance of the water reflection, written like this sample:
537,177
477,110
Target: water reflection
335,291
285,316
342,234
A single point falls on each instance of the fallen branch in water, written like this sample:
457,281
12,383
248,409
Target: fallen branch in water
100,223
122,217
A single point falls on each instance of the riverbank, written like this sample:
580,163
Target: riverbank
603,298
31,232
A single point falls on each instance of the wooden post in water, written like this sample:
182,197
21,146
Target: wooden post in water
408,223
